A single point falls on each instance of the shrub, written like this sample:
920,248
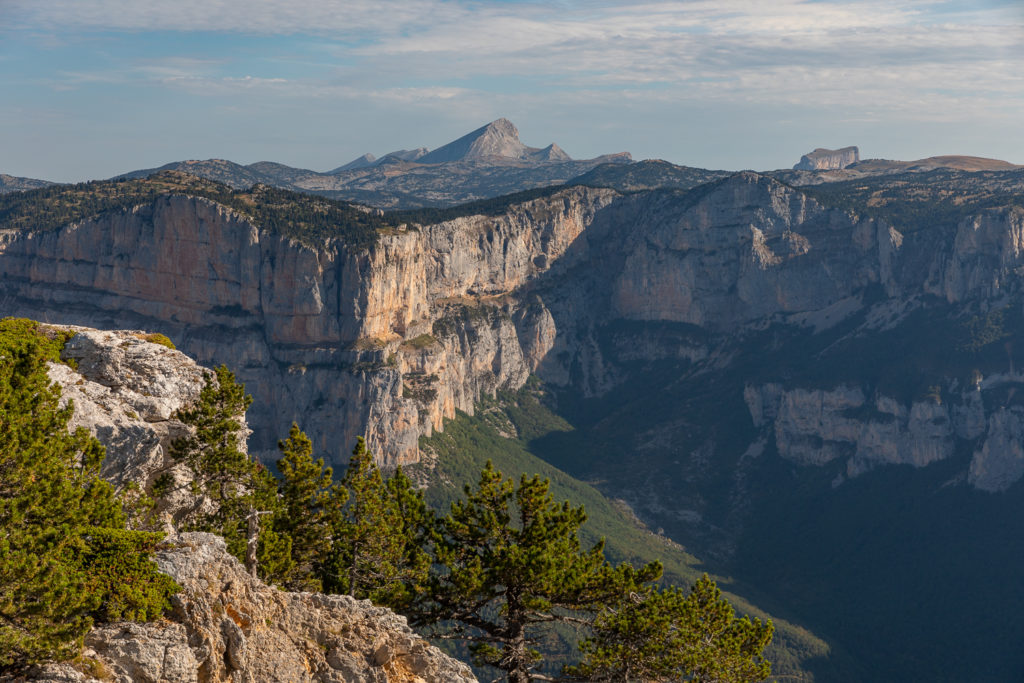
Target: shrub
162,340
120,570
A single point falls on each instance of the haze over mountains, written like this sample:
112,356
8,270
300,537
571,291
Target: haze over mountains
491,161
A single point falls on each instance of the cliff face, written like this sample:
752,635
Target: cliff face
339,340
823,159
391,340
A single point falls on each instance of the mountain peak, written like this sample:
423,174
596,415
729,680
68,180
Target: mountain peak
498,138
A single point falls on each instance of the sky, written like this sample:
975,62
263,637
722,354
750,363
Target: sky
93,88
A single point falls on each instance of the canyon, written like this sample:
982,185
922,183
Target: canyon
730,354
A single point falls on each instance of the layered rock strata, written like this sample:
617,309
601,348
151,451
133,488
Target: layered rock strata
391,340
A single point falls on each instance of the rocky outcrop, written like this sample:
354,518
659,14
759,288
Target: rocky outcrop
823,159
999,462
225,625
986,259
228,626
818,426
750,248
126,390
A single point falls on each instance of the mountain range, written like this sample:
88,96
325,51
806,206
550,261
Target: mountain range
487,162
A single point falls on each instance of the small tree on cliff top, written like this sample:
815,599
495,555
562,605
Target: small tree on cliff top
306,498
670,635
237,486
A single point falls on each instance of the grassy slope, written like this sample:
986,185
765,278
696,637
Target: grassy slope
469,441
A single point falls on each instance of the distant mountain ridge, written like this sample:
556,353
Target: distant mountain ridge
9,183
488,162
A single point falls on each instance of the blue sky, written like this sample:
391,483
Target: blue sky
92,88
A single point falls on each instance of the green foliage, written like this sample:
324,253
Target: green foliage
56,570
508,429
511,564
378,531
979,331
306,496
495,206
309,219
21,335
668,635
119,569
215,451
646,175
922,201
161,339
236,485
422,341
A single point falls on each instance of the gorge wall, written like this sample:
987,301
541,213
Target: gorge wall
391,340
336,339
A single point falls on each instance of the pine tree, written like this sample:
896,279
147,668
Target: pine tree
670,635
306,495
240,489
65,556
376,531
417,526
512,565
216,449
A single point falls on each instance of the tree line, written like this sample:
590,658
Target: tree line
502,567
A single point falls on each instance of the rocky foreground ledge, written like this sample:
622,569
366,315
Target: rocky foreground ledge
228,626
225,624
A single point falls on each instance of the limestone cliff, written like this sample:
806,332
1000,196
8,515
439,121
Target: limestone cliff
823,159
337,339
392,339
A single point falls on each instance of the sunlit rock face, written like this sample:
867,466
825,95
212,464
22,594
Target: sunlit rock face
823,159
390,340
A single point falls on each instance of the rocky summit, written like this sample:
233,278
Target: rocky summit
498,140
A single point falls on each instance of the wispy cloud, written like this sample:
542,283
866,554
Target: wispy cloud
339,17
928,61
